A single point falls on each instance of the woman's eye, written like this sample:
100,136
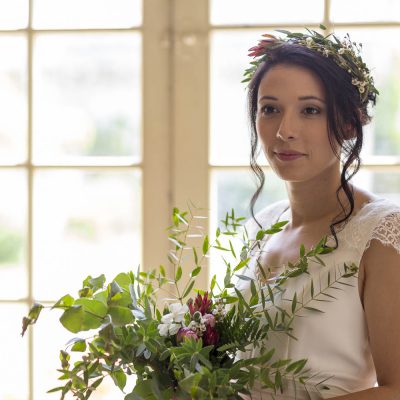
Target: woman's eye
311,111
268,110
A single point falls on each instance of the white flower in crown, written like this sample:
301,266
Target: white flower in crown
309,41
326,52
341,51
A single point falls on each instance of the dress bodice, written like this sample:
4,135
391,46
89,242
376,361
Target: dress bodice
335,341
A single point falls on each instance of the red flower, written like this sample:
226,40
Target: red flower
210,336
201,303
259,50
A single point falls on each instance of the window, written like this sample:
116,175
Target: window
71,165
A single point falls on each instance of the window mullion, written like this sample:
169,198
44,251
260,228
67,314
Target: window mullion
156,134
190,114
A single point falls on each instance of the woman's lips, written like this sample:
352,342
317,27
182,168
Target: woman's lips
288,156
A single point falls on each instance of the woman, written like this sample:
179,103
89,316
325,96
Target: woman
308,98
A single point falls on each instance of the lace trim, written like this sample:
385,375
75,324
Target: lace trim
387,232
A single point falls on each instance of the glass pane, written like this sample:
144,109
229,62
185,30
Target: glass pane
234,189
49,14
14,353
229,126
382,136
13,99
87,97
13,14
365,10
85,223
46,360
383,184
13,228
264,11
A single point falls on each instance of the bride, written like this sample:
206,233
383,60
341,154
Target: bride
308,98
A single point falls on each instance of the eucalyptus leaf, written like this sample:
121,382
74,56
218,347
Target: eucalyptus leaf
65,301
95,283
120,315
79,345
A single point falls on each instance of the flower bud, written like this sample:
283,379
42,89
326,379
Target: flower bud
197,316
185,333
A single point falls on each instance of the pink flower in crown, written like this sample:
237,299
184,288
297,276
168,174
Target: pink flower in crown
262,45
210,336
201,303
185,333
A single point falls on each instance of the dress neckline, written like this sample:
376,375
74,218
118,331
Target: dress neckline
354,216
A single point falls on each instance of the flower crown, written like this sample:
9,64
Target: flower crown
345,53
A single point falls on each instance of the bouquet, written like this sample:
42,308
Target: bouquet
180,341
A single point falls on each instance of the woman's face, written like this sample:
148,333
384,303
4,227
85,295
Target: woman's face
292,124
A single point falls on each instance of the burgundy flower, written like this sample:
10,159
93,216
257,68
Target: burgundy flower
201,303
185,333
210,336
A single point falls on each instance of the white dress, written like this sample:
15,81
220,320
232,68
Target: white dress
335,342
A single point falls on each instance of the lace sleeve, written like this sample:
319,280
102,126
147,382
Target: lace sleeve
388,231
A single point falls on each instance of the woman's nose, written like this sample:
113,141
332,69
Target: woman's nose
287,129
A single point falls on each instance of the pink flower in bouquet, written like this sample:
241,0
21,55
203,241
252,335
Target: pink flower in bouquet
185,333
209,319
210,336
201,303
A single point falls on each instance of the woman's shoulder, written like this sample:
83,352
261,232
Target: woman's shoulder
266,217
378,208
370,208
378,219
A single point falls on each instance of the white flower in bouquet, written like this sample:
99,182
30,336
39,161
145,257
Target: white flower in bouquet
171,322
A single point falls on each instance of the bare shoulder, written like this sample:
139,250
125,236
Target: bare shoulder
381,260
362,197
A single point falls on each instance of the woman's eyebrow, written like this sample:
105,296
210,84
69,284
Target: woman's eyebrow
268,98
300,98
311,98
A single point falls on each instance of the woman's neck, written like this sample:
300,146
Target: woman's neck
316,200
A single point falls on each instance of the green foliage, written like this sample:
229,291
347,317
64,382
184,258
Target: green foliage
126,321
